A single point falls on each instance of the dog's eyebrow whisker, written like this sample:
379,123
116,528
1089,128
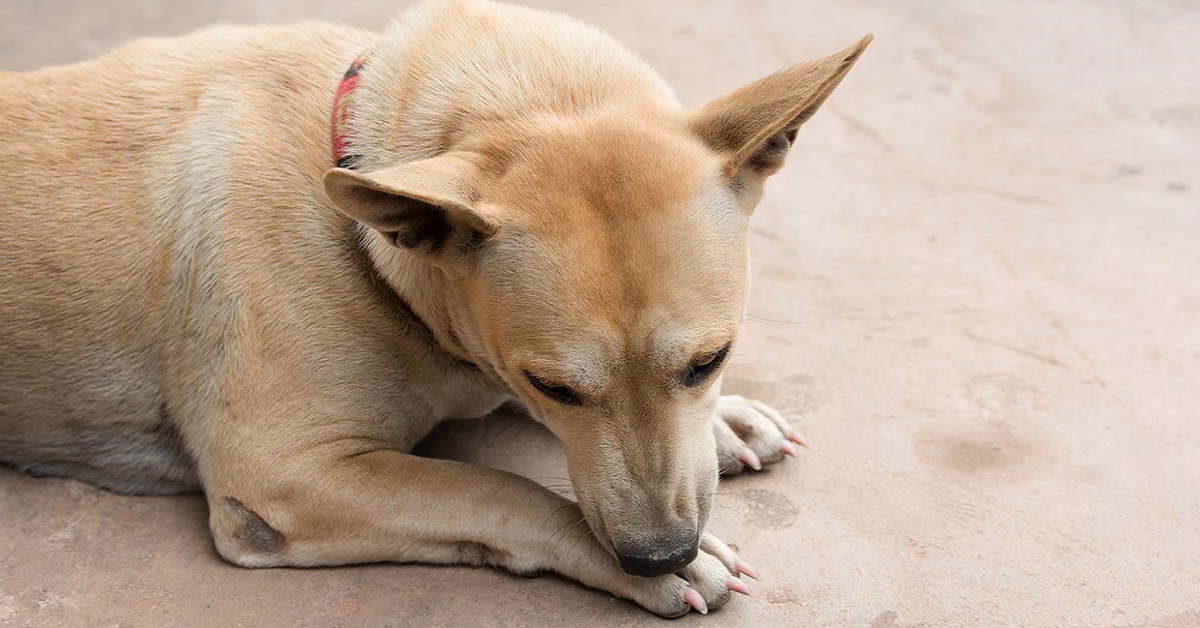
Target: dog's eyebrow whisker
738,365
765,319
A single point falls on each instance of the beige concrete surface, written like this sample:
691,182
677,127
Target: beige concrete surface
977,289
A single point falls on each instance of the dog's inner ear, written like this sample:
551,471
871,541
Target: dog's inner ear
756,125
425,206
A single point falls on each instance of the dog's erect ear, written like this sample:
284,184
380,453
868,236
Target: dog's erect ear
756,125
424,206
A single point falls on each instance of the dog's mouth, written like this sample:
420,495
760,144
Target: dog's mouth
646,550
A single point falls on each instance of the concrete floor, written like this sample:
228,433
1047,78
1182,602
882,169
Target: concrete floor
977,290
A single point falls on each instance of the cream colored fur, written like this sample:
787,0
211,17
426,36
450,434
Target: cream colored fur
192,298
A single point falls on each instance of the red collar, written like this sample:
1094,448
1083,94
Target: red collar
340,128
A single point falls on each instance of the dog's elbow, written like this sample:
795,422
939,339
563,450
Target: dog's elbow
244,538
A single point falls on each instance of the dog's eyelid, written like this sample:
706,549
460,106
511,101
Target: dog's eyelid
705,365
557,392
705,359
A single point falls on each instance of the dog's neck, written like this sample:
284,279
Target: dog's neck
430,294
425,289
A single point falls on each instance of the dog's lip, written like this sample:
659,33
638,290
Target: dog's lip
595,520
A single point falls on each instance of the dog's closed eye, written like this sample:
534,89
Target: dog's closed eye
704,366
556,392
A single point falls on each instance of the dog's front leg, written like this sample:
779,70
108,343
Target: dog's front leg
750,434
388,506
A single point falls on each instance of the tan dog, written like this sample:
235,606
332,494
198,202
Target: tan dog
526,212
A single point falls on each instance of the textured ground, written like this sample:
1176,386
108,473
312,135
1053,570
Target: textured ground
977,290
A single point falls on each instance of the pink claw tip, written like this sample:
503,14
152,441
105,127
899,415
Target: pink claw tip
798,438
695,600
750,459
742,567
735,584
788,449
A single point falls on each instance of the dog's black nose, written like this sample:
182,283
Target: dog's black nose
659,556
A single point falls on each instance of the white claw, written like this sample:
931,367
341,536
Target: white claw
750,459
693,598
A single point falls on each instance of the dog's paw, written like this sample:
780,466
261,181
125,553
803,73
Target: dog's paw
705,584
750,434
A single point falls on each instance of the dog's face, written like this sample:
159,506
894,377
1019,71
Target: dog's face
609,301
600,270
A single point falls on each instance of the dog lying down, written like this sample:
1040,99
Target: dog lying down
229,264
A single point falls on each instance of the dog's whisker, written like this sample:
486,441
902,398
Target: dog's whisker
564,530
555,513
767,319
581,537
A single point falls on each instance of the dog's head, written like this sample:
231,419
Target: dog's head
599,268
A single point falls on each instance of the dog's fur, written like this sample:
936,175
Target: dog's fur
192,297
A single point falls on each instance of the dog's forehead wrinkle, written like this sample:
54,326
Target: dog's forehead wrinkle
576,362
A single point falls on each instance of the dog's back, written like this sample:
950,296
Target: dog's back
118,174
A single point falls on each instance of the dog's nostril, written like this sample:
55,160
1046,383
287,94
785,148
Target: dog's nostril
657,560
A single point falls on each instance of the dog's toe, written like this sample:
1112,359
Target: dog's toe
750,434
709,577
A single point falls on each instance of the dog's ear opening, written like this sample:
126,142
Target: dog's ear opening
424,206
757,124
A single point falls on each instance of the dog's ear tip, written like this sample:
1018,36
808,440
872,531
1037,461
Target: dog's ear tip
861,45
855,50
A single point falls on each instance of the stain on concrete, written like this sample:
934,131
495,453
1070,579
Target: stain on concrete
769,509
1177,186
891,619
1126,171
886,619
997,439
971,454
784,595
915,547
